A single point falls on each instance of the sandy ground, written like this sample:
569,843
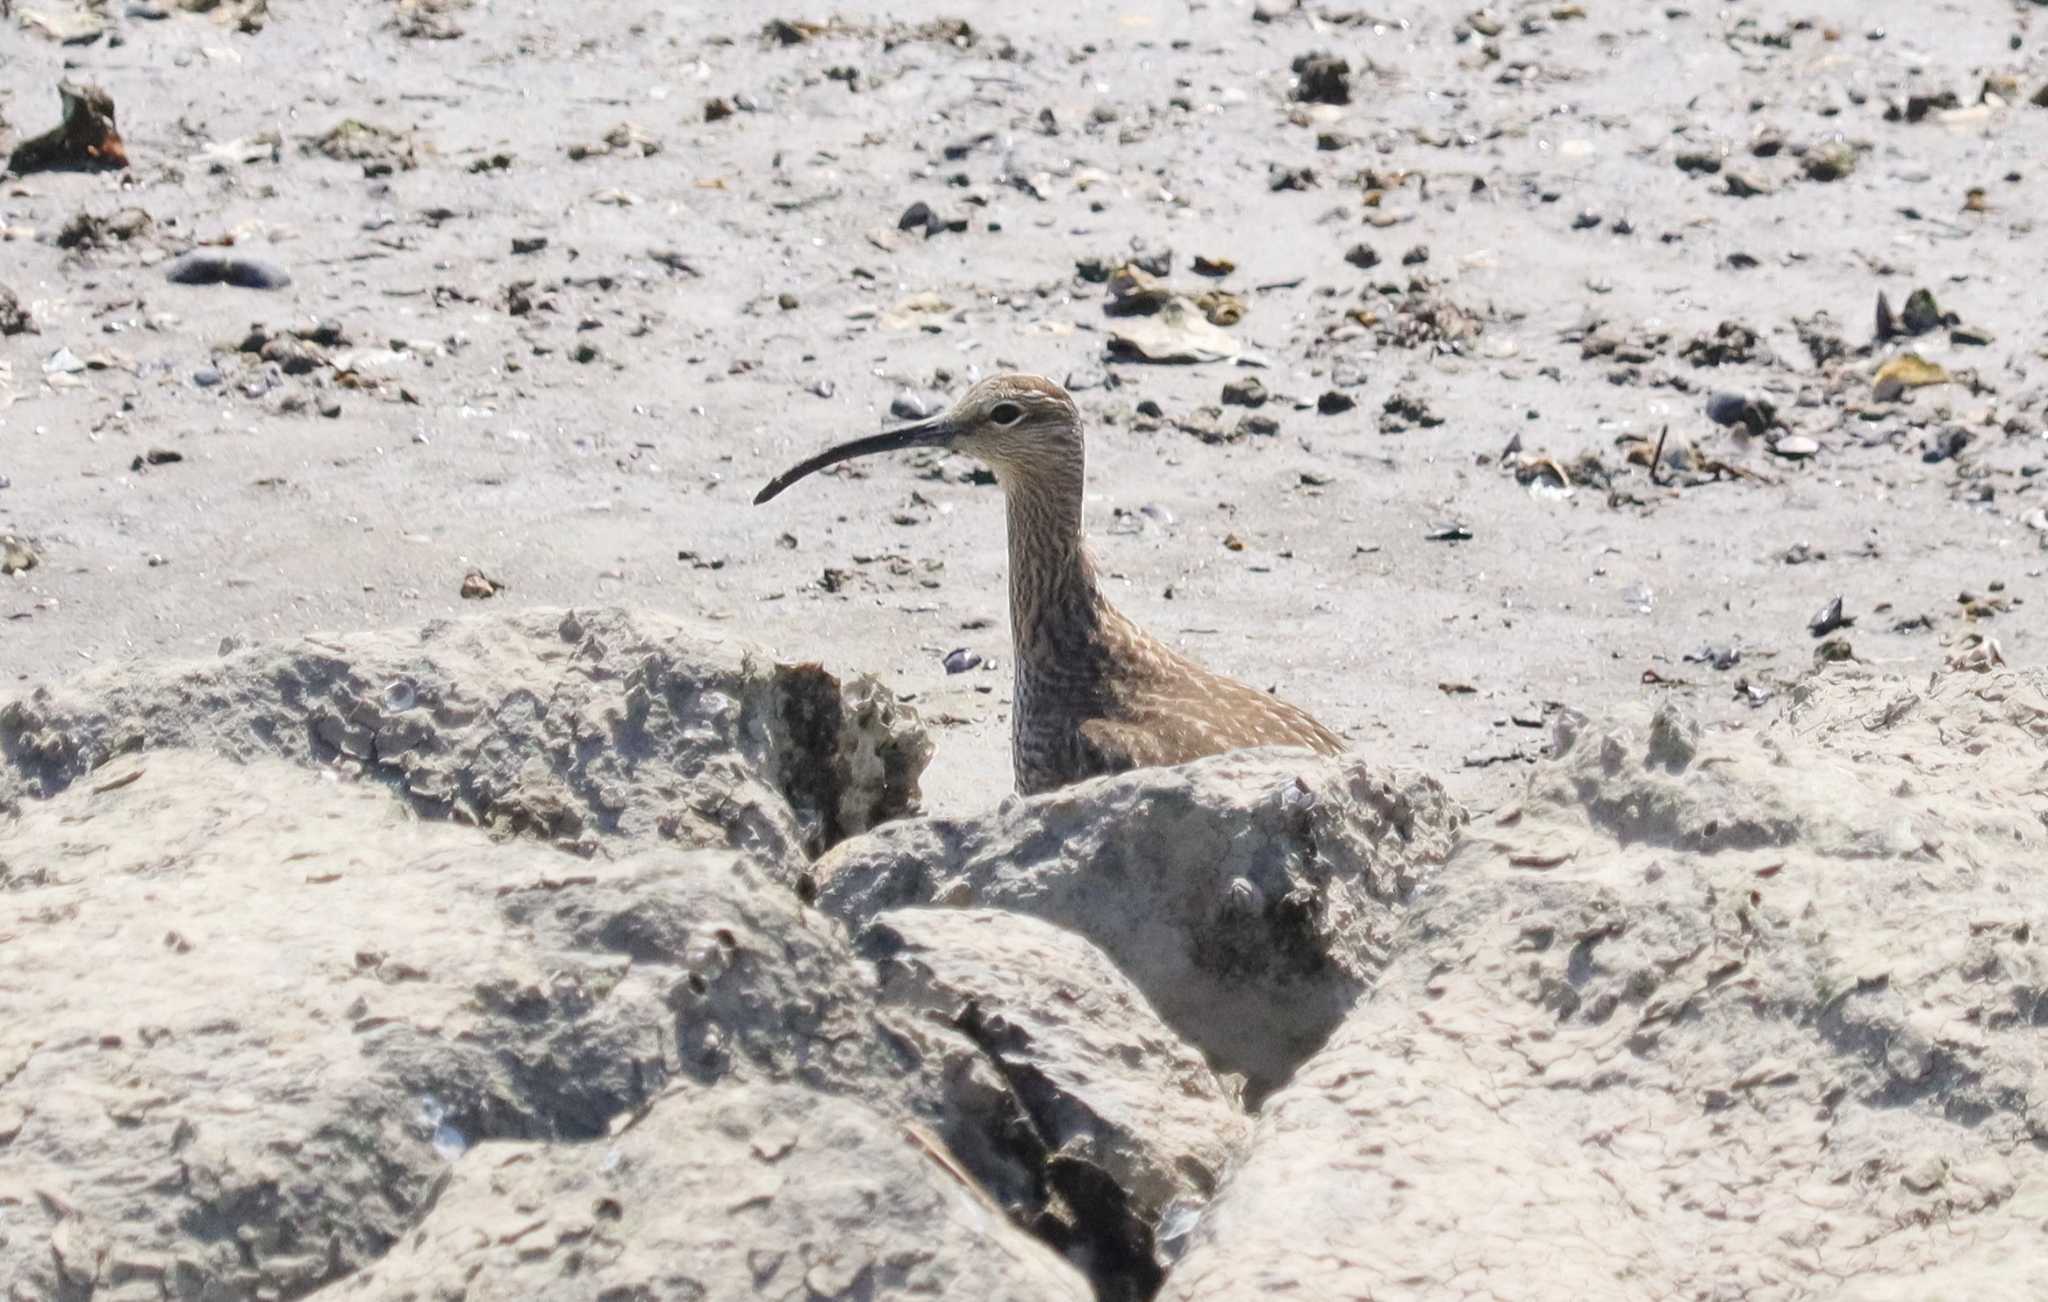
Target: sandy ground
587,421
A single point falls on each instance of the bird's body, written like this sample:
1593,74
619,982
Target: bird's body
1095,694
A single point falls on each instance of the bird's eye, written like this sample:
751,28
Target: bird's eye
1006,413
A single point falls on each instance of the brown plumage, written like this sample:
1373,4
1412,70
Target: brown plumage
1095,693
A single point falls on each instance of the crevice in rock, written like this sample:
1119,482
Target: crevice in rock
1084,1213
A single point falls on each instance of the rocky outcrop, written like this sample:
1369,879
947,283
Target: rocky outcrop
770,1192
254,1015
1745,1013
580,727
1130,1130
1251,897
1752,1011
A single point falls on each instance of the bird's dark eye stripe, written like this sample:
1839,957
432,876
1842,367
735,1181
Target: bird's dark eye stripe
1006,413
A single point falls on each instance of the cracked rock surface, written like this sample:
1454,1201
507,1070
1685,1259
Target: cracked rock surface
254,1014
1711,1013
1251,896
580,727
1132,1129
771,1192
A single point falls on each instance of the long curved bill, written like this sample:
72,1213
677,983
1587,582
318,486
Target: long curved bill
933,433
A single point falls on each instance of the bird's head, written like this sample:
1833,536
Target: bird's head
1023,426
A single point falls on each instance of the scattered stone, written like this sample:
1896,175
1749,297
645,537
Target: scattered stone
213,267
1334,402
1917,107
717,109
478,586
1946,445
1322,79
1281,177
1796,447
920,215
14,318
960,660
1746,185
1245,392
1922,314
1754,414
427,20
1829,162
1402,410
1724,408
16,556
1699,162
1829,618
1416,256
525,244
380,150
63,362
1718,657
1731,342
626,140
1362,255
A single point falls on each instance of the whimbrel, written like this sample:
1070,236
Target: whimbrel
1095,693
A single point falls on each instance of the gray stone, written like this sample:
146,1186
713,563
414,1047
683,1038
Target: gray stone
1132,1126
1251,897
583,727
724,1193
254,1012
1744,1013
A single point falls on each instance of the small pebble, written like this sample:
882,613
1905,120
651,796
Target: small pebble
209,267
959,660
1725,408
1247,392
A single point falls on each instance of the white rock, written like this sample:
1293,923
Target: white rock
722,1193
1251,897
251,1013
1686,1025
582,727
1131,1122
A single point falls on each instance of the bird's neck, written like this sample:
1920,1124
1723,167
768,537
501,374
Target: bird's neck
1053,592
